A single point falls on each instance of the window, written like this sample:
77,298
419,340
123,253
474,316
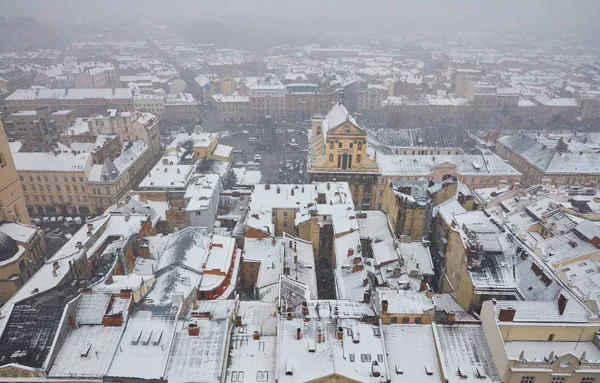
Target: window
285,213
60,198
46,178
394,320
66,179
331,158
285,224
351,145
75,189
358,159
365,357
417,320
380,358
107,190
331,145
22,178
80,179
24,188
528,379
49,188
57,188
557,379
251,265
83,189
405,320
360,146
68,189
262,376
33,188
73,179
38,178
352,357
588,380
340,145
31,178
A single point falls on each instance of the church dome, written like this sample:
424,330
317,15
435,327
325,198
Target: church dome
8,247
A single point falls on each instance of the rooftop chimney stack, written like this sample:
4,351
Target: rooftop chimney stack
298,334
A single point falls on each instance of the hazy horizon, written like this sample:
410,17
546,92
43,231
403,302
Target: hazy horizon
541,16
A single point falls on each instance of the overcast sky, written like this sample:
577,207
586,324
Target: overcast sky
444,15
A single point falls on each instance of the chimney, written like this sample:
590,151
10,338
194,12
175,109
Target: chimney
289,316
562,304
429,294
195,304
451,317
292,192
90,226
320,337
350,252
144,251
340,333
291,244
193,329
384,306
295,247
328,186
304,308
165,161
274,242
110,280
89,233
178,172
238,321
278,189
295,258
298,333
365,282
256,335
507,314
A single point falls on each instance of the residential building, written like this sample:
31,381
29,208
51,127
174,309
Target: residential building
22,253
181,107
108,182
408,207
589,104
542,341
302,101
150,102
54,183
483,261
83,101
267,98
475,171
130,126
12,199
202,199
371,96
562,160
317,347
233,108
37,128
406,307
338,151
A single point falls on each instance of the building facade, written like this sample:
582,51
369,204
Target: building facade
12,199
338,151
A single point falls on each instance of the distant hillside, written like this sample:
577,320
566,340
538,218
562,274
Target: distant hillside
22,34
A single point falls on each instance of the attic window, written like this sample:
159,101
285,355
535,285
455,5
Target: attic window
536,269
262,376
352,357
365,357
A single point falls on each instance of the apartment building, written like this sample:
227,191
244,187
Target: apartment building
568,160
37,128
150,102
83,101
54,183
267,98
233,108
12,200
107,183
130,126
181,107
543,341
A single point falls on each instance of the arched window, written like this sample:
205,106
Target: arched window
358,159
360,146
331,158
331,145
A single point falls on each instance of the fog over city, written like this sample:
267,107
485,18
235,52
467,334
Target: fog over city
314,191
